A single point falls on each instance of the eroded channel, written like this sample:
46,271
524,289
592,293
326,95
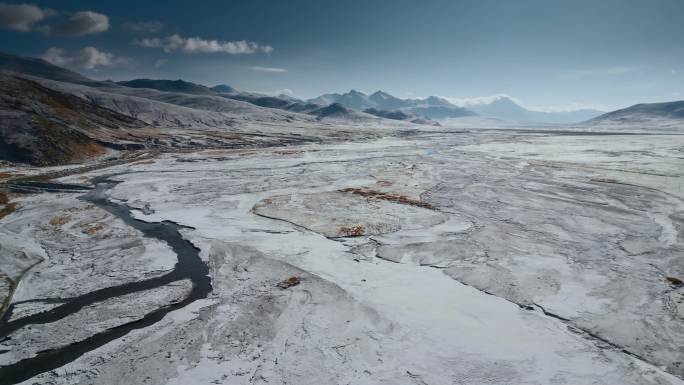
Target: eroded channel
188,266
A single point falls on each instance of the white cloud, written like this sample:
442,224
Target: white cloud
284,91
595,72
80,24
152,26
56,56
480,100
267,69
87,58
465,102
21,17
573,106
177,43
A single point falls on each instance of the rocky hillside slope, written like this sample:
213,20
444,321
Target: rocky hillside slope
45,127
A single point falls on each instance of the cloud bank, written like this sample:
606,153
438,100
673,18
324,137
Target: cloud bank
480,100
80,24
192,45
267,69
595,72
21,17
87,58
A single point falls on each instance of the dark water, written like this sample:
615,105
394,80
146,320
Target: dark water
38,187
189,266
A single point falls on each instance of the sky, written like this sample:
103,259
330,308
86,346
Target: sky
547,54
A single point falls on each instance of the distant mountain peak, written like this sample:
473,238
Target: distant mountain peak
381,95
508,108
179,85
438,101
223,88
505,100
383,103
334,110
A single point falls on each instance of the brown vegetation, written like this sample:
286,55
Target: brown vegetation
90,230
5,175
59,221
87,150
292,281
149,161
8,207
8,296
353,231
368,193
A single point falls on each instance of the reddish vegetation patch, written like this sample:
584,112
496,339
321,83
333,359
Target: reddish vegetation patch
90,230
353,231
368,193
87,150
8,209
675,281
292,281
79,208
59,221
5,175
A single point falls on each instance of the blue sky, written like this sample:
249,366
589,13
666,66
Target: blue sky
547,54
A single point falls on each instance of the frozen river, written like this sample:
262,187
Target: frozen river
488,257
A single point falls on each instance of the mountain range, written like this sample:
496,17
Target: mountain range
505,108
437,108
432,107
51,115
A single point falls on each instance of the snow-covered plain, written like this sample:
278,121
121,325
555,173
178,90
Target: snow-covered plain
511,258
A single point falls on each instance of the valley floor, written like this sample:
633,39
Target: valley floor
489,257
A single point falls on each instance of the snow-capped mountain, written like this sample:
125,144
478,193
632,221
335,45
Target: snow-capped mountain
353,99
432,107
385,101
223,88
505,108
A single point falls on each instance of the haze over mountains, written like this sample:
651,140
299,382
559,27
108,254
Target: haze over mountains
503,107
434,107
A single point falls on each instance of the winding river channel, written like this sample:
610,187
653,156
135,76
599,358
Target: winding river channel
189,266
